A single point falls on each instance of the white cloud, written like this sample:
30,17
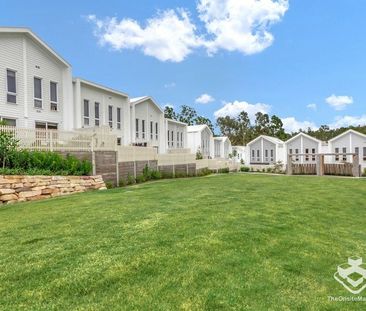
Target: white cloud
169,105
232,25
237,25
339,102
290,124
170,36
170,85
312,106
344,121
233,109
204,99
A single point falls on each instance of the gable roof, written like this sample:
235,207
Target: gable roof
198,128
176,121
222,138
348,132
302,134
98,86
142,99
30,34
273,140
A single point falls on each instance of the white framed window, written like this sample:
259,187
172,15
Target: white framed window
364,154
253,154
118,118
110,116
272,155
336,150
119,141
297,155
96,114
137,128
53,96
344,157
46,125
168,138
156,130
143,128
9,121
266,155
258,155
37,85
313,154
86,113
181,139
11,85
172,138
307,154
151,130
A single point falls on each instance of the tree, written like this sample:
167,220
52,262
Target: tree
262,124
276,128
244,127
229,127
169,113
187,115
203,120
8,146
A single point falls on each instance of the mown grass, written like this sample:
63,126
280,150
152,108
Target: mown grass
225,242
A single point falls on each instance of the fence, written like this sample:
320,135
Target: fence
325,164
215,164
58,140
134,153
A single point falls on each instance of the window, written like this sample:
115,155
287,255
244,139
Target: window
181,139
297,152
156,130
151,130
313,152
253,154
53,96
266,155
143,129
172,138
137,128
118,118
272,154
336,150
11,86
37,92
290,152
306,154
119,141
86,112
8,121
258,156
46,126
168,138
364,154
178,145
344,157
110,116
96,114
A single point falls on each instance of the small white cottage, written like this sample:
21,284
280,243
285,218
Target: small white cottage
265,150
304,144
222,147
200,138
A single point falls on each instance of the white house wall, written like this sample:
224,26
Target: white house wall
22,54
300,145
175,127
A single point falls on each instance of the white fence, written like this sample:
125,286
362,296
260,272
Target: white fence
57,140
215,164
134,153
175,159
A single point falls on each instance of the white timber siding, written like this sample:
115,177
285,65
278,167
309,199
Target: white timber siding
179,135
302,144
266,150
146,111
217,148
29,58
200,138
84,90
349,142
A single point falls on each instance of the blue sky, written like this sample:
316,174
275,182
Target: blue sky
307,63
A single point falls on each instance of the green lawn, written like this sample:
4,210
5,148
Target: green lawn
222,242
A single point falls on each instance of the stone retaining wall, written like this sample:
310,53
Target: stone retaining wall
28,188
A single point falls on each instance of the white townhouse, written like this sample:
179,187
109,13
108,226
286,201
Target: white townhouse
239,152
350,141
147,123
35,82
200,138
304,144
97,106
176,135
265,150
222,147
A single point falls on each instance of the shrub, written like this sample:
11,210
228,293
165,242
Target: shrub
204,172
167,175
180,175
155,175
364,172
242,162
130,179
199,155
109,184
244,169
8,146
278,167
122,183
224,170
269,170
140,179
